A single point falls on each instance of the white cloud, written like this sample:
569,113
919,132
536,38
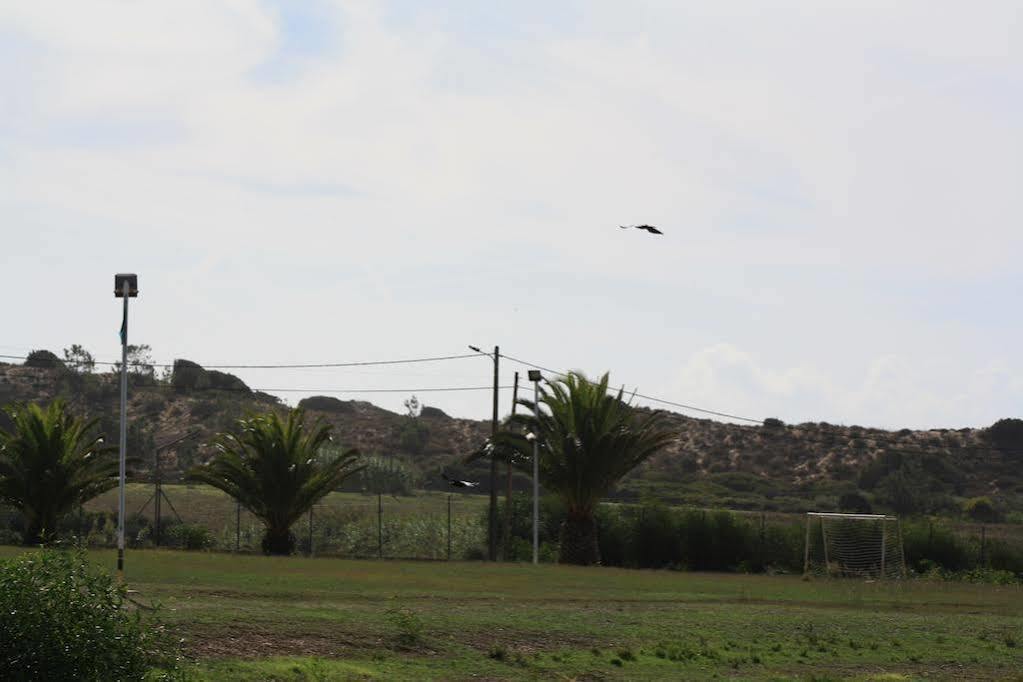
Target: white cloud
795,157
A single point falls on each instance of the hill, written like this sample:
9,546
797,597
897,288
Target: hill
774,466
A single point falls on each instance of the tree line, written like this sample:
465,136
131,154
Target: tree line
277,466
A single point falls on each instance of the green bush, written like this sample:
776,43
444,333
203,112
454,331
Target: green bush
61,619
386,475
930,544
1005,434
982,509
190,536
656,540
854,502
413,436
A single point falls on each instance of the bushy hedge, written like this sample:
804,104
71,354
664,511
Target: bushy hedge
62,619
652,535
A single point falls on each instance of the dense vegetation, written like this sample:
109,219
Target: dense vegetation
61,618
955,473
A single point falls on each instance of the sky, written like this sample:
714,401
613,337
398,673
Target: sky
300,182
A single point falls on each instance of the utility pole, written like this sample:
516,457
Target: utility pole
493,460
492,515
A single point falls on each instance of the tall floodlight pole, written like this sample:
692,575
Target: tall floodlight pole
492,525
534,376
125,286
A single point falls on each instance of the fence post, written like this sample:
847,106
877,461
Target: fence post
806,548
310,531
760,546
983,546
380,527
449,526
238,527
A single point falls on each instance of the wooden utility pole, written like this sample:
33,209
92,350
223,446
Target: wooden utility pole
492,553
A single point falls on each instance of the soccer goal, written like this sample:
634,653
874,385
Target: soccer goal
853,546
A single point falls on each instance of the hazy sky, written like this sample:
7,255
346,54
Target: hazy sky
839,184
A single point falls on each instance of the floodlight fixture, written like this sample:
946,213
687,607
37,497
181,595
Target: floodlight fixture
129,280
534,375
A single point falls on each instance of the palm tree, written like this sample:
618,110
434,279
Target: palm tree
589,440
51,462
275,468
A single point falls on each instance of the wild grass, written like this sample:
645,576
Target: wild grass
253,617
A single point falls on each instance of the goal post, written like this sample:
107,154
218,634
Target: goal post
853,546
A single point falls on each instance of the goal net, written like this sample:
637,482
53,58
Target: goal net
853,546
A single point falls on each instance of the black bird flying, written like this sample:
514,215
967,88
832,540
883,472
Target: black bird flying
649,228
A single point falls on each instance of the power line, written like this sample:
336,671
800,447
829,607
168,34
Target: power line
320,365
883,441
693,408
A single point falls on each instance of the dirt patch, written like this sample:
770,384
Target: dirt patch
248,641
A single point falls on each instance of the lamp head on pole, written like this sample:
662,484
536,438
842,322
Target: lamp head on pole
122,279
534,375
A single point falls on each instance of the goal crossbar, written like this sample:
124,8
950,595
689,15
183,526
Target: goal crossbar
838,515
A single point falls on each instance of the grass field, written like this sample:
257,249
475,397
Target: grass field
216,510
259,618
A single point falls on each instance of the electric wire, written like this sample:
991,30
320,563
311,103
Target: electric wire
651,398
883,441
317,365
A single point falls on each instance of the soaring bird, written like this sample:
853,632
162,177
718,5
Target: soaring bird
649,228
459,483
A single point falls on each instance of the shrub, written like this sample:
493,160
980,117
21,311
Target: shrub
929,544
188,375
854,502
982,509
387,475
657,543
407,623
1005,434
61,619
413,436
43,359
325,403
190,536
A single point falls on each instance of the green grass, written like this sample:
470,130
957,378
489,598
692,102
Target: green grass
260,618
216,510
344,524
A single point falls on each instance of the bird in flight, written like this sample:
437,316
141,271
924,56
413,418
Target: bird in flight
459,483
649,228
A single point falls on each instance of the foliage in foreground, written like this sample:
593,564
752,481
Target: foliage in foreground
62,619
276,470
50,463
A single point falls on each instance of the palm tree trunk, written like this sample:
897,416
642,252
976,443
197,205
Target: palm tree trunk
579,541
38,526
